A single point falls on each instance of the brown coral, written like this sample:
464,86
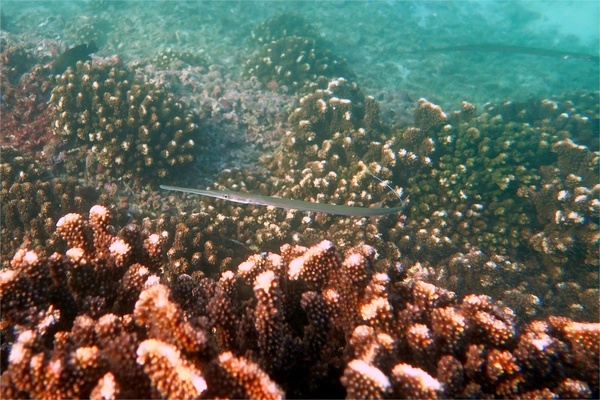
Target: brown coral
32,202
295,63
245,379
309,322
170,374
164,320
132,128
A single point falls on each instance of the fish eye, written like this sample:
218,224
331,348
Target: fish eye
225,196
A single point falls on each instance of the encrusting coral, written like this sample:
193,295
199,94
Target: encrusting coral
101,321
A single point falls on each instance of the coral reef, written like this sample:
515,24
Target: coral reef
100,321
126,128
503,208
197,242
25,89
293,56
575,113
484,196
74,293
32,201
199,297
283,25
15,59
328,152
515,197
295,64
341,109
240,118
203,241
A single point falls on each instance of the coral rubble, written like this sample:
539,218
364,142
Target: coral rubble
100,321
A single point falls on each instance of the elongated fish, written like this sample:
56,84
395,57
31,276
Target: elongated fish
260,200
504,48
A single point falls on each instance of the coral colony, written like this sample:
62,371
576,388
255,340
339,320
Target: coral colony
131,128
301,322
485,285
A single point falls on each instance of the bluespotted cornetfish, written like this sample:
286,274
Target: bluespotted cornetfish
260,200
504,48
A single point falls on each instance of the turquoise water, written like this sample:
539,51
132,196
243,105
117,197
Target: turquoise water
373,35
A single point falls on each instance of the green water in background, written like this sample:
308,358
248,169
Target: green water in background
374,36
